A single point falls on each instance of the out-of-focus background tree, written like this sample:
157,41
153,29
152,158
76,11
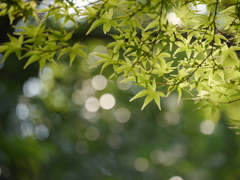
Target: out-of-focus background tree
72,123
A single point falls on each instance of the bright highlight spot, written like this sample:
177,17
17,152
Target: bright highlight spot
90,116
172,18
201,8
173,104
47,74
32,87
141,164
41,132
107,101
79,97
22,111
87,87
171,118
99,82
122,115
79,4
176,178
27,129
92,133
123,86
207,127
92,104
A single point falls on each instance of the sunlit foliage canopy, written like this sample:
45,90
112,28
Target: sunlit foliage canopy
160,45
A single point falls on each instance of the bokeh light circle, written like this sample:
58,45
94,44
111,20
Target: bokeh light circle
122,115
99,82
107,101
176,178
207,127
92,133
32,87
122,85
141,164
92,104
22,111
41,132
172,18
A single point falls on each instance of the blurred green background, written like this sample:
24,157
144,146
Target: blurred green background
72,123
